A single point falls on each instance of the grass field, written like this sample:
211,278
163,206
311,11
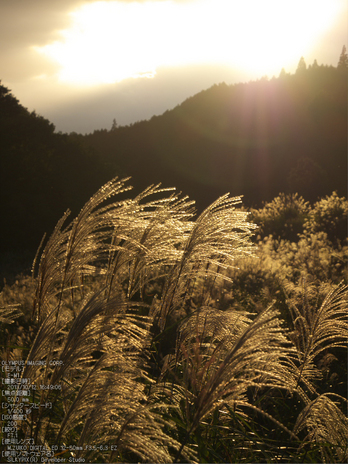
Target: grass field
167,337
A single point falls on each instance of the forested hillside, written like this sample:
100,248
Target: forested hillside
257,139
287,134
42,173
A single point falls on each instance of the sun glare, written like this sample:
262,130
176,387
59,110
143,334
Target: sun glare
111,41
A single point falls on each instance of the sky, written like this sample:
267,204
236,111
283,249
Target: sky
83,63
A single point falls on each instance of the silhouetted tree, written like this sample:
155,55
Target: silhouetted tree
301,65
343,61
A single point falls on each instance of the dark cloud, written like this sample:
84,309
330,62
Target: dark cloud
28,23
34,22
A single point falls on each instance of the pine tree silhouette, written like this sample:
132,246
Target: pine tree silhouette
301,65
343,61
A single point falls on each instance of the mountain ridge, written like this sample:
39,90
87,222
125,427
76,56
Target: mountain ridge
256,139
245,138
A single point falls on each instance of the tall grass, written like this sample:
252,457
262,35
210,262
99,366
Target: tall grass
149,368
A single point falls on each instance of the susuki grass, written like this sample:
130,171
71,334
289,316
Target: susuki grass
143,362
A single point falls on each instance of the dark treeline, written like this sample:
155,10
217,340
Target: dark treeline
286,134
42,174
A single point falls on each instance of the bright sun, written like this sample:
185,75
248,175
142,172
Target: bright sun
111,41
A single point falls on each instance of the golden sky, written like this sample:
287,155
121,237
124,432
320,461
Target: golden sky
82,63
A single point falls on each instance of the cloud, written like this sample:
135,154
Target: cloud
28,23
33,78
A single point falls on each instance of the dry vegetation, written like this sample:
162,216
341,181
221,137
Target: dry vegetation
178,339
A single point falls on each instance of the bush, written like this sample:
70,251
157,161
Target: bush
283,217
329,215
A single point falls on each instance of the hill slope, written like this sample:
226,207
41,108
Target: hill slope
42,173
259,138
255,139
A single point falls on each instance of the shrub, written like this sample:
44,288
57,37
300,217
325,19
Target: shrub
329,215
283,217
